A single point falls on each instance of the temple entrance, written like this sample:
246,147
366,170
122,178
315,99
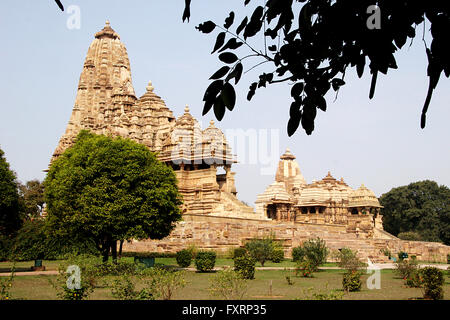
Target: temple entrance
272,211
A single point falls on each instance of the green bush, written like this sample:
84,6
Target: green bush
124,288
184,258
315,252
6,244
228,284
415,279
298,253
352,281
162,282
239,252
348,260
433,281
406,268
410,236
33,243
277,255
305,268
205,261
245,265
260,249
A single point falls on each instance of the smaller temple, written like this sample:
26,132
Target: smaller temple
327,201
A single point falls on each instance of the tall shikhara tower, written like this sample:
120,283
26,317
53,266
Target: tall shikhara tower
106,103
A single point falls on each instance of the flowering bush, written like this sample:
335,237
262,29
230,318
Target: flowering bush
352,281
433,280
5,286
245,265
305,269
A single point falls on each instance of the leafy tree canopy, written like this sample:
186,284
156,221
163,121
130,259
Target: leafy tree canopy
421,207
32,195
312,44
10,208
108,189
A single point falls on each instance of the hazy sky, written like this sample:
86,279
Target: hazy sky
376,142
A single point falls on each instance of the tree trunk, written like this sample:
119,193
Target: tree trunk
120,249
114,250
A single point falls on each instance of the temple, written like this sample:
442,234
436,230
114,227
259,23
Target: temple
213,217
106,103
328,201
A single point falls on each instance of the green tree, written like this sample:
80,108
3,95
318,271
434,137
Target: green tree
32,194
10,208
422,207
260,249
110,190
312,44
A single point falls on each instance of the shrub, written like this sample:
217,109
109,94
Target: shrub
118,268
228,285
260,249
277,255
305,269
406,268
448,258
348,260
163,283
433,280
352,281
184,258
410,236
312,294
315,252
415,280
298,254
245,265
205,261
124,288
239,252
5,286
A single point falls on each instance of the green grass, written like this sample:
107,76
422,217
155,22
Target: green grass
392,287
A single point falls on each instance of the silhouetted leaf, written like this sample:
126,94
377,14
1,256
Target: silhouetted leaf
206,27
220,40
272,48
236,73
293,124
187,10
255,23
220,73
252,91
229,96
336,83
297,90
213,90
229,21
228,57
242,25
231,44
219,109
208,105
60,5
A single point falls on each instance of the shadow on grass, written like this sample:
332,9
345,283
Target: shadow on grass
17,269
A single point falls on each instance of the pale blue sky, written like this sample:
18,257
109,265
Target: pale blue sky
378,143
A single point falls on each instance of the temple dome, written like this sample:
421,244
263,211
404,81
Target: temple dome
275,192
363,197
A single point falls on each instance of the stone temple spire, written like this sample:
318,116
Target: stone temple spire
106,74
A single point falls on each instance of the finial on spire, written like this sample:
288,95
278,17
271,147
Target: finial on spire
288,150
150,86
107,23
211,123
186,109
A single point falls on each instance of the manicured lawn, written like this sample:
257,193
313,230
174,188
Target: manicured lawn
392,287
